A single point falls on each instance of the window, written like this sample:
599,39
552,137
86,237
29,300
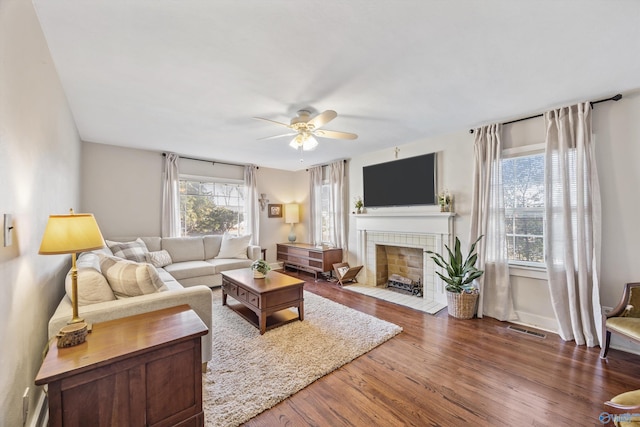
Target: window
211,207
523,184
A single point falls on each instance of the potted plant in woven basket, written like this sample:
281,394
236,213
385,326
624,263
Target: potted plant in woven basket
462,295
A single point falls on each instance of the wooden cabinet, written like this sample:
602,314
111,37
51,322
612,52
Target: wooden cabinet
306,257
143,370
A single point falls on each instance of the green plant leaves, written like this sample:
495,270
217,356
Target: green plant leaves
460,273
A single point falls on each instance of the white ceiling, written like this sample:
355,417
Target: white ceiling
188,75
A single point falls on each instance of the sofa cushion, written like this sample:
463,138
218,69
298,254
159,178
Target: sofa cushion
188,269
159,258
129,278
234,247
184,248
153,243
212,245
134,251
221,265
92,285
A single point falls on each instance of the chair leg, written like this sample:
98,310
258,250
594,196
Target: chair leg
605,345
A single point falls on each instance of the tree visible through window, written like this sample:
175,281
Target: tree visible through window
523,184
211,208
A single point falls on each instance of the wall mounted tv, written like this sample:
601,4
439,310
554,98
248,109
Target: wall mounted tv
404,182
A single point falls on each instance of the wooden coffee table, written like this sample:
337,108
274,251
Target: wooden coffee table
263,302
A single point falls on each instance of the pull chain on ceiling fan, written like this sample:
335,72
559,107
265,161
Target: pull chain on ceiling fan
305,129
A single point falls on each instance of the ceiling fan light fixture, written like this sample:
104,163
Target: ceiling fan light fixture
310,144
304,140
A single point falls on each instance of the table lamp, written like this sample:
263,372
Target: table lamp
291,216
69,234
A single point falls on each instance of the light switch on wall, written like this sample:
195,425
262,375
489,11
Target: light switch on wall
8,227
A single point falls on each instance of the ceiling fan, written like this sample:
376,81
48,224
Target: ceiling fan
305,128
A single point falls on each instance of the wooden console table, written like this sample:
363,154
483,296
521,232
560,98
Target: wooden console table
143,370
306,257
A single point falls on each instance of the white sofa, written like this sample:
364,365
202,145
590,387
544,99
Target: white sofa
194,268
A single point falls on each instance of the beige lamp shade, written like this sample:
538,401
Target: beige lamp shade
71,233
291,213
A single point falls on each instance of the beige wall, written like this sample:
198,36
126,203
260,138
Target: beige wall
122,187
39,171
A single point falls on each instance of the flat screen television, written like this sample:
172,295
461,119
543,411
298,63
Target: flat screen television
404,182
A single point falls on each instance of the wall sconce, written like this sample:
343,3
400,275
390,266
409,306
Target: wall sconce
263,201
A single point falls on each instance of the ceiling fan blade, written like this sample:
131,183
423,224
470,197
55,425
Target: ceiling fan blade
323,118
278,136
272,121
335,134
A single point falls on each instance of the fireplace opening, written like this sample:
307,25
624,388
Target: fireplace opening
400,268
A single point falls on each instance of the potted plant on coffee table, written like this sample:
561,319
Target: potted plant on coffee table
462,295
260,268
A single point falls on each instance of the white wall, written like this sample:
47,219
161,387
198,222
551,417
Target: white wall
39,171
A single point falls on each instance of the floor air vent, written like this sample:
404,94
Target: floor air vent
526,331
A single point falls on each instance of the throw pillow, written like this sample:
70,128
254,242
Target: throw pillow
129,278
92,287
159,258
234,247
134,251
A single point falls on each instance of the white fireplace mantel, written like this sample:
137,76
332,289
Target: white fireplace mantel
405,222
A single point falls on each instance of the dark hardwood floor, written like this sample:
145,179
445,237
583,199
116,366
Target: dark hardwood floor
442,371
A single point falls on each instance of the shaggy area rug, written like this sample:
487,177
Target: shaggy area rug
250,373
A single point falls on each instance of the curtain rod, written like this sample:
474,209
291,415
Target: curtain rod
213,162
617,97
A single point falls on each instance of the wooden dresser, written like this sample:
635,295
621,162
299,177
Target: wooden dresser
306,257
143,370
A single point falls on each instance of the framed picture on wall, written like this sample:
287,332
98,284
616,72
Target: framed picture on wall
275,210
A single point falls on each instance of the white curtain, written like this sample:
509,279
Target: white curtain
573,224
171,197
315,204
488,219
338,205
251,207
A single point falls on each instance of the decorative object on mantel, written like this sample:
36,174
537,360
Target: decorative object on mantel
263,201
462,295
70,234
445,200
292,216
358,204
260,268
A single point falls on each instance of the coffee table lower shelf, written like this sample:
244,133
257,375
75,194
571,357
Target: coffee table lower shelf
274,320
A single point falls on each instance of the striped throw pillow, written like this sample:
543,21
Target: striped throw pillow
135,251
129,278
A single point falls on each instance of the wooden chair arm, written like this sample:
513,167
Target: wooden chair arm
621,307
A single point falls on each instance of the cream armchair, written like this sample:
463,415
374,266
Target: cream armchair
622,411
624,319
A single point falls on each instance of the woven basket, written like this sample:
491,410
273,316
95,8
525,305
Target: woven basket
463,305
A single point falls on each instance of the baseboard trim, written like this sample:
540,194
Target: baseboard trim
547,324
621,344
40,417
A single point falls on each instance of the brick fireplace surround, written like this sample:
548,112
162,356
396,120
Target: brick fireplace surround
381,233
